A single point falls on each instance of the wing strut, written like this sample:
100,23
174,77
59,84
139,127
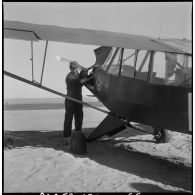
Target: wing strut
32,60
121,61
44,61
53,91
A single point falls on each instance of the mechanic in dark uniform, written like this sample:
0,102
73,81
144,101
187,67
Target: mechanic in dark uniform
74,85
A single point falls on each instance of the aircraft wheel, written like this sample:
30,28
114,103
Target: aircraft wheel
159,135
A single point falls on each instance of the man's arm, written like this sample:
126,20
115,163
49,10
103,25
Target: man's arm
85,80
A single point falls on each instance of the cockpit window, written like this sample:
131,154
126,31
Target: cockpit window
142,65
112,63
109,58
172,69
128,63
166,69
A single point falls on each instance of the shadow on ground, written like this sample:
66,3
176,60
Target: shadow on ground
139,164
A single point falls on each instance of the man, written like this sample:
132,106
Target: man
74,89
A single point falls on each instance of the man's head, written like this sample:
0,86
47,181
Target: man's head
73,65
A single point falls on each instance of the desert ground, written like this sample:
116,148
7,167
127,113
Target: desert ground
130,161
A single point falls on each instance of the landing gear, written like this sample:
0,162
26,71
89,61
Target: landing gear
159,135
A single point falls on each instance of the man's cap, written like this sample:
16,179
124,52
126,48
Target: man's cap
74,64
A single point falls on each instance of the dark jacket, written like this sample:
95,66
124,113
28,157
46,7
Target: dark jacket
74,86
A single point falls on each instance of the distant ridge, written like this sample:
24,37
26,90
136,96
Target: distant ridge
32,100
8,101
41,103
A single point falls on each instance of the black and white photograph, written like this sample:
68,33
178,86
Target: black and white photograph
97,97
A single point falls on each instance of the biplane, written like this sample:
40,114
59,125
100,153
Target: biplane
138,79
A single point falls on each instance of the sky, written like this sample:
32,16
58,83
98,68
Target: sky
160,19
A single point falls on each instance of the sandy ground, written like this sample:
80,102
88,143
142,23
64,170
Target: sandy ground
40,163
127,162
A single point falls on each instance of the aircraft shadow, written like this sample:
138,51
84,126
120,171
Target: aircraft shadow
143,165
139,164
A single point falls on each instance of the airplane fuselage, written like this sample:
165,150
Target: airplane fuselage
139,101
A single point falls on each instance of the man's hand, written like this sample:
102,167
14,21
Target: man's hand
85,80
90,72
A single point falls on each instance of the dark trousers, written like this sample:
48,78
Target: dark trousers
72,109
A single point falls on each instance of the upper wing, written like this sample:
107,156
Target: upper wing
184,45
35,32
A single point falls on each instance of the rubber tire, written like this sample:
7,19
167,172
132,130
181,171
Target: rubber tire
160,138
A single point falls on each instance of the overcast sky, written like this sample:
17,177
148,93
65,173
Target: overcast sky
171,20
